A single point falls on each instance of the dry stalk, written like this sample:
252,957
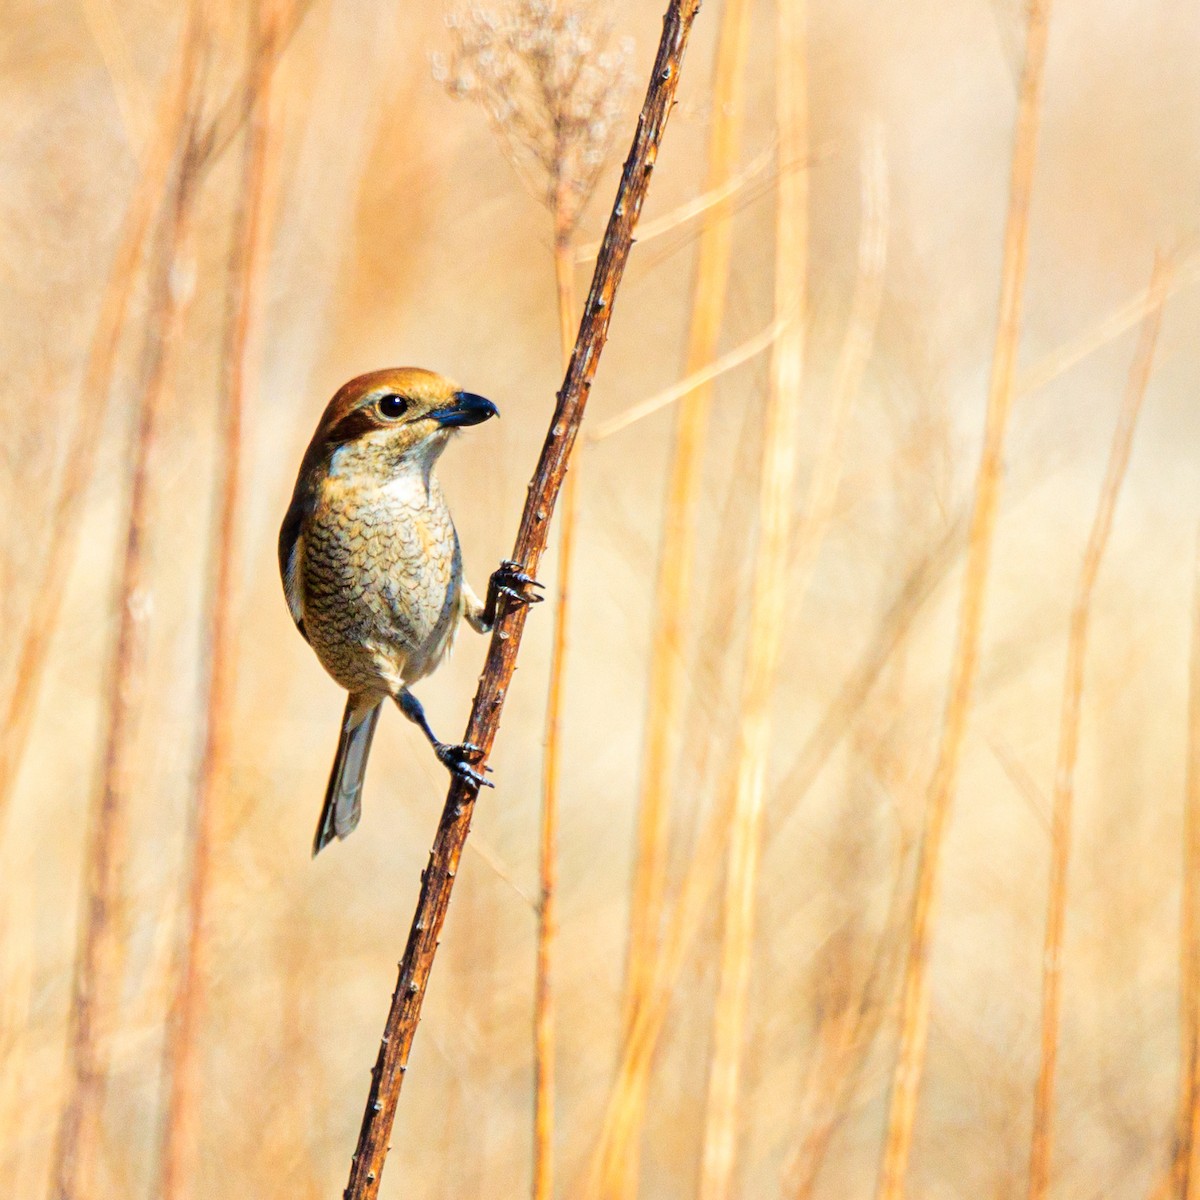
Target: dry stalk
1058,362
1042,1144
552,90
849,1035
438,877
769,595
98,965
544,1006
708,199
65,523
182,1069
1186,1170
128,89
676,564
845,1040
690,384
914,1018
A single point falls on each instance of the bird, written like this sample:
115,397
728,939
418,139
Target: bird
372,567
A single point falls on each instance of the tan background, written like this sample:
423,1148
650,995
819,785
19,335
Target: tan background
400,235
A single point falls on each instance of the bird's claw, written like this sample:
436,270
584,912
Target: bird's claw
457,760
512,580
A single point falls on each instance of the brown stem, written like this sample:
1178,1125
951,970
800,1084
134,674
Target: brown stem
914,1016
1042,1145
544,1007
98,966
182,1051
438,878
1185,1169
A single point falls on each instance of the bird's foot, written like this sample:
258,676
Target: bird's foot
457,759
511,580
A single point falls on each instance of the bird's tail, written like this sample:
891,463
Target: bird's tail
343,797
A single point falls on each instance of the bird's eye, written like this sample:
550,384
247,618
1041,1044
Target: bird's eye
392,407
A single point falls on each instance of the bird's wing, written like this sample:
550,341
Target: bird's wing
291,552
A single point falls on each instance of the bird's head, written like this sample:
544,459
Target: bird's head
386,420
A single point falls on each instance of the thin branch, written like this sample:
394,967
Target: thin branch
181,1128
914,1020
1042,1146
438,878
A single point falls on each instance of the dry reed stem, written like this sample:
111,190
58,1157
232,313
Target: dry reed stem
701,204
98,965
552,88
914,1018
768,601
916,591
690,384
438,878
1185,1168
1059,361
686,915
676,563
846,1041
1042,1143
128,89
856,349
851,1032
65,523
182,1050
544,1006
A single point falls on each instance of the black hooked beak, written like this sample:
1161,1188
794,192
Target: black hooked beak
467,409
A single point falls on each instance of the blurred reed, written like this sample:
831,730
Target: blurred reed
914,1017
673,597
1042,1148
769,600
181,1124
1184,1177
100,960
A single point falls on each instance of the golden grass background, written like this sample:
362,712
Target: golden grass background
395,232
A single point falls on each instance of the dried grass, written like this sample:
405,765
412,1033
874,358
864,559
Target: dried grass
181,1127
914,1017
673,600
1185,1175
100,962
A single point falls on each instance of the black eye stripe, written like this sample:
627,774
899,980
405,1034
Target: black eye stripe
391,407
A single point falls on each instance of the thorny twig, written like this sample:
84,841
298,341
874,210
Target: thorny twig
552,92
438,878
